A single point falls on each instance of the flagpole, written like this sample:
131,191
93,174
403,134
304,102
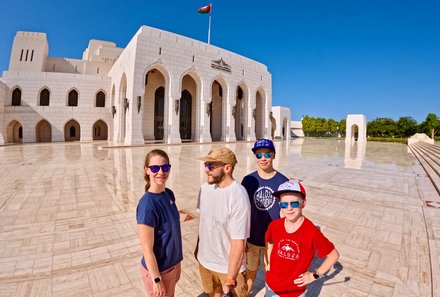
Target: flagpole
209,27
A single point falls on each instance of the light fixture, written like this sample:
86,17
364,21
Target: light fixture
139,103
113,111
254,113
126,104
176,106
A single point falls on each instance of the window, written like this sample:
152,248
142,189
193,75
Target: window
16,97
100,99
44,97
73,98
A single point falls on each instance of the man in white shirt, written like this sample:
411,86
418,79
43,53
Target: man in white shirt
224,227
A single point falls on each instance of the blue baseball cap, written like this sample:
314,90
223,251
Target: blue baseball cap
263,143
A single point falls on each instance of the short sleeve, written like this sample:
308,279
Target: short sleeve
146,212
323,245
239,224
268,238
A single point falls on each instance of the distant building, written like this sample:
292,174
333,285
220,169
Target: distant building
280,122
296,129
161,87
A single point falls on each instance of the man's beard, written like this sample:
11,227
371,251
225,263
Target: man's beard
217,179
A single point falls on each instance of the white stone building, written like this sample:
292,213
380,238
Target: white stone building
161,87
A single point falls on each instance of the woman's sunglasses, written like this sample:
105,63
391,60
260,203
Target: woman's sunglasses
156,168
293,204
266,155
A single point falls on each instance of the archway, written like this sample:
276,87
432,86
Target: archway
100,130
153,111
188,106
14,132
72,131
354,121
259,114
217,106
43,131
284,131
240,112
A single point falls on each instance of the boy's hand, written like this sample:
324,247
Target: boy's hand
304,279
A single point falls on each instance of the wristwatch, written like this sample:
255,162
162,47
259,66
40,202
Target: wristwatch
316,274
156,280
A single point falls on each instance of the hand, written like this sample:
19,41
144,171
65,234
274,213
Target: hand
159,289
304,279
267,267
229,291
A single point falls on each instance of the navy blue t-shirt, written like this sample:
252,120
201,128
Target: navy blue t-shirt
159,210
264,206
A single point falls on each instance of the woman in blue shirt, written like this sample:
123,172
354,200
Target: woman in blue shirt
159,228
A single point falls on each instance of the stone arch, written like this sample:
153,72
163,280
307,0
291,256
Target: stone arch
219,89
14,132
72,131
260,113
43,131
241,111
353,121
100,130
154,107
44,96
190,90
285,128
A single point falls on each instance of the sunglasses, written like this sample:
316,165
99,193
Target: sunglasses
293,204
156,168
266,155
211,166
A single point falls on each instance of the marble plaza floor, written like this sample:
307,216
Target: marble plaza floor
68,228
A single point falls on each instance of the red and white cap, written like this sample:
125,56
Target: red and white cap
290,186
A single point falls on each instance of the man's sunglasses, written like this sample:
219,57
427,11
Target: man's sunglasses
211,166
156,168
293,204
266,155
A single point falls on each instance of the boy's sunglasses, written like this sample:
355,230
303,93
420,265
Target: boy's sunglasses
266,155
293,204
156,168
211,166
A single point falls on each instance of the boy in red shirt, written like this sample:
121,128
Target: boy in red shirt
292,241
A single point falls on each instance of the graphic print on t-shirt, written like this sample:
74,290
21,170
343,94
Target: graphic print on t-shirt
288,249
263,198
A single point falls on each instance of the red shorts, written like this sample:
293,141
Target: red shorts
170,277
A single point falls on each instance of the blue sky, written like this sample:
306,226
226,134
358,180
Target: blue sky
327,58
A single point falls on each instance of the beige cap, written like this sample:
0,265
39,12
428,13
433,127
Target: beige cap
222,155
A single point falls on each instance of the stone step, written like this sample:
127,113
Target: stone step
429,159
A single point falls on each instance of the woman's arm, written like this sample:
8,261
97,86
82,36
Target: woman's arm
146,237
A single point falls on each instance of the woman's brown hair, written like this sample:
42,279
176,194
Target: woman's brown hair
152,153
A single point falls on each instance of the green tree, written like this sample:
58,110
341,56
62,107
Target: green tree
432,123
308,124
342,126
406,126
332,126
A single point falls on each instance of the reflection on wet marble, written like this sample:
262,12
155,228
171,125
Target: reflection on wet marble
67,216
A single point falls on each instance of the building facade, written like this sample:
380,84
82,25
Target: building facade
161,87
